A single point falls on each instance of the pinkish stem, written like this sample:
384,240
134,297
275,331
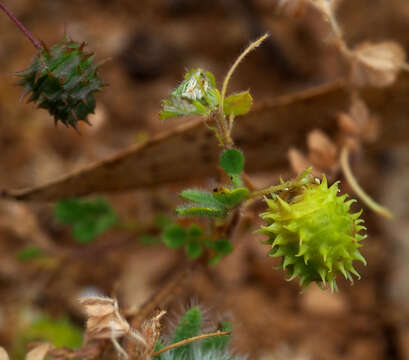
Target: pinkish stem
33,40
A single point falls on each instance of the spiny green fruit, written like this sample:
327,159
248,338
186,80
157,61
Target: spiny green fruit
63,79
313,231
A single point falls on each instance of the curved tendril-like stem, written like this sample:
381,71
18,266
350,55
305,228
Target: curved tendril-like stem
226,81
33,40
372,204
187,341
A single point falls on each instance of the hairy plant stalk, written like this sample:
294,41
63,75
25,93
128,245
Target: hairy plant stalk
188,341
226,81
223,122
272,189
372,204
33,40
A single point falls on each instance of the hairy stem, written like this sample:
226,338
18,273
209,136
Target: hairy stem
372,204
188,341
33,40
227,126
272,189
226,81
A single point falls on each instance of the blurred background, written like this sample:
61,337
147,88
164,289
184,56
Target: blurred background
150,45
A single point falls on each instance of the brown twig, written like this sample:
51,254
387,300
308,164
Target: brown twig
27,33
188,341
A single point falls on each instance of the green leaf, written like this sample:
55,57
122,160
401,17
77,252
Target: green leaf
88,218
193,248
175,106
231,198
194,231
222,246
29,253
201,211
238,104
174,236
232,161
203,198
196,95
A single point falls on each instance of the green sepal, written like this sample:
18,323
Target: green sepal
238,104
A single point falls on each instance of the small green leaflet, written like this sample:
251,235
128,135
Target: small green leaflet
88,218
193,248
174,236
201,197
215,204
221,248
194,242
232,161
238,104
230,198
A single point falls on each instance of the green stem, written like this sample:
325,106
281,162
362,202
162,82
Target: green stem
349,176
27,33
272,189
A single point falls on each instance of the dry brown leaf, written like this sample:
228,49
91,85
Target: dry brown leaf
322,151
377,64
98,306
3,354
151,332
359,123
39,352
347,125
104,320
298,161
190,150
